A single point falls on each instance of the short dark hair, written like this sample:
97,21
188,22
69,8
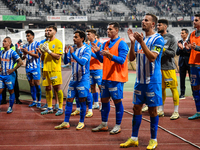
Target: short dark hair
186,30
197,15
115,25
53,27
7,37
154,18
164,21
92,31
30,31
81,34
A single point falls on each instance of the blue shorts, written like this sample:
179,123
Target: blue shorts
150,94
112,89
195,76
78,89
8,81
33,74
96,77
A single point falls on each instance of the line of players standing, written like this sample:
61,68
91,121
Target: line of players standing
113,55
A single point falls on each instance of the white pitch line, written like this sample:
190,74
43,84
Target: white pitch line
166,130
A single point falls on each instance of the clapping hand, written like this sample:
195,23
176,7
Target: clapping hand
95,47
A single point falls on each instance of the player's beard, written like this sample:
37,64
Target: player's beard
161,31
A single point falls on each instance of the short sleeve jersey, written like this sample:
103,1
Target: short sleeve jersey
8,59
146,71
32,62
50,63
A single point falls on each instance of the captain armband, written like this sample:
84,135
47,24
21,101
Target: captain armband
156,48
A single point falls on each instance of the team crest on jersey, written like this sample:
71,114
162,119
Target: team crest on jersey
53,46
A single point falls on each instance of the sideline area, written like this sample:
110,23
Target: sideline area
26,128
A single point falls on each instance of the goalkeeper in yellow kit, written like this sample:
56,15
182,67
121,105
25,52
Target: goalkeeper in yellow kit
51,55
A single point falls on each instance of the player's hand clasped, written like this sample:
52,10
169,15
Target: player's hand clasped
67,48
106,53
45,48
95,47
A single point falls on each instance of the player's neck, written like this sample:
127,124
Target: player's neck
163,33
184,39
92,40
79,45
52,38
116,36
150,32
30,42
6,48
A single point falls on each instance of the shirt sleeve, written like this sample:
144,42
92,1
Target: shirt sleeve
15,56
86,57
66,59
59,49
157,45
123,51
170,51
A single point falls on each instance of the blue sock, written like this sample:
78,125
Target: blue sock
154,126
90,100
0,98
12,99
105,111
95,96
119,109
136,124
39,92
33,93
83,111
77,103
197,99
68,111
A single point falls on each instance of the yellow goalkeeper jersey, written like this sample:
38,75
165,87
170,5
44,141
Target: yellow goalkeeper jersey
50,63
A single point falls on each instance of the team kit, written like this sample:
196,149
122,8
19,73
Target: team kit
103,67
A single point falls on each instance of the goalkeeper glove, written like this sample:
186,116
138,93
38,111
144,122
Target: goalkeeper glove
45,47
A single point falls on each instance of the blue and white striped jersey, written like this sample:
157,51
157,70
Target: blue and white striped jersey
146,71
32,62
8,59
80,72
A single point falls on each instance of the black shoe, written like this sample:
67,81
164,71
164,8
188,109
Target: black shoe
18,102
181,97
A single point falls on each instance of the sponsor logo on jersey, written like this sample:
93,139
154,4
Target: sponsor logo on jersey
113,89
150,94
167,80
138,92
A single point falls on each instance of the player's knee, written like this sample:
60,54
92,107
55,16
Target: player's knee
137,109
70,100
152,111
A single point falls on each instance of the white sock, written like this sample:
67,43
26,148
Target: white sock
134,138
90,110
176,108
104,123
154,139
117,126
96,103
161,108
78,109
